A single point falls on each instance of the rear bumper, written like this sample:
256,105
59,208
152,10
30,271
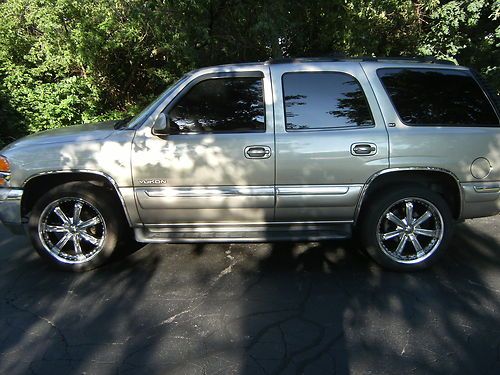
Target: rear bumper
10,209
480,199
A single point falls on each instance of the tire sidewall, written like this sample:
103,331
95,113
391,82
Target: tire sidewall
374,211
101,199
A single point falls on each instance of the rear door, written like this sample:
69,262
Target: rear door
330,138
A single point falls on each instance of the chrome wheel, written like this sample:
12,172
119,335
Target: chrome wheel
72,230
410,230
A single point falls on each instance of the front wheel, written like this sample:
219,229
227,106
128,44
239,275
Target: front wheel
407,229
75,226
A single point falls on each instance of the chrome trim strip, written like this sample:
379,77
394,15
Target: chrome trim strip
201,192
487,189
107,177
14,195
403,169
239,224
8,194
313,189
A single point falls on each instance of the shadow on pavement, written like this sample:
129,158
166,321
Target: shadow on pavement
252,309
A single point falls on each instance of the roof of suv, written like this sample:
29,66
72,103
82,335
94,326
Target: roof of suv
382,61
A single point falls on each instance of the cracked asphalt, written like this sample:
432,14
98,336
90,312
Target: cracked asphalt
312,308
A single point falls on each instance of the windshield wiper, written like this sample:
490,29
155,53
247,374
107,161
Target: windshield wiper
121,123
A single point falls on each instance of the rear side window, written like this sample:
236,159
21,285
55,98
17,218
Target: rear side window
437,97
324,101
220,105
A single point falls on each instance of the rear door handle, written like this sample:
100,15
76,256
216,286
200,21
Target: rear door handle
257,152
363,149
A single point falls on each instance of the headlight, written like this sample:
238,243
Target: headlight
4,171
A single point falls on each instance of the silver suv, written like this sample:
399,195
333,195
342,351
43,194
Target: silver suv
394,151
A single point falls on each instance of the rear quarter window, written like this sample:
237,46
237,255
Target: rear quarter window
437,97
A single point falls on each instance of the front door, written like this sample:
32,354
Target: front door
216,165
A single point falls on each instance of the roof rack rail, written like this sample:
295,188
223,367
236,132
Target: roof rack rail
289,60
414,59
417,59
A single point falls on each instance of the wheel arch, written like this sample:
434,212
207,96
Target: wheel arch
439,180
37,185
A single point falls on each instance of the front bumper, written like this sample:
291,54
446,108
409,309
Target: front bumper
480,199
10,209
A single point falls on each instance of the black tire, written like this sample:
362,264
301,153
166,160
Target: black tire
400,253
97,203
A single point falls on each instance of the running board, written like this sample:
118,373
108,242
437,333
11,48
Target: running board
242,232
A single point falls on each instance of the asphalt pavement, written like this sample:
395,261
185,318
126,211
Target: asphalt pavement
283,308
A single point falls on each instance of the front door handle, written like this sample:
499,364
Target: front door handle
363,149
257,152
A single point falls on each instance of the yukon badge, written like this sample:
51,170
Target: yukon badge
153,181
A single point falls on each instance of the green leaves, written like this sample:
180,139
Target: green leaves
70,61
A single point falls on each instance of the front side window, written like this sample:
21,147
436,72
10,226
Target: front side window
324,101
437,97
220,105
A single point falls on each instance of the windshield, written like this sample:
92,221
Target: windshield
146,112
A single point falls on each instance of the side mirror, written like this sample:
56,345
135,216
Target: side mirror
161,125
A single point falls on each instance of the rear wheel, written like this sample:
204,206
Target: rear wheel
75,226
407,229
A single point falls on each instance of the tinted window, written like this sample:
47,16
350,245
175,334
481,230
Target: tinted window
220,105
437,97
324,101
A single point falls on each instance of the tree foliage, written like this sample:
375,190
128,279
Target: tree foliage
64,62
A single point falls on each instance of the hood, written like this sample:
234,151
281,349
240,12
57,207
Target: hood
70,134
